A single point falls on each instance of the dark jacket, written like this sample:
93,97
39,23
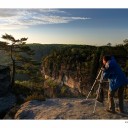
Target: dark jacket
115,75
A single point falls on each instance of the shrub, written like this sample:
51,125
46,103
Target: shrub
28,89
63,89
35,96
49,82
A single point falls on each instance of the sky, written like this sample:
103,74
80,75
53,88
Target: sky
66,26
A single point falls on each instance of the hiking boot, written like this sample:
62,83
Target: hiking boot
111,111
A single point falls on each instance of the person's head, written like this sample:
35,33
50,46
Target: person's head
106,59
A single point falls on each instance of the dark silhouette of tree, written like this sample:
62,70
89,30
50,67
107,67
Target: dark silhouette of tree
126,44
109,44
125,41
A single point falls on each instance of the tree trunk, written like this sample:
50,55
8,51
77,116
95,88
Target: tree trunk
13,68
13,74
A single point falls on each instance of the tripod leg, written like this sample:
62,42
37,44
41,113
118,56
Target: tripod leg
94,84
101,79
95,106
96,99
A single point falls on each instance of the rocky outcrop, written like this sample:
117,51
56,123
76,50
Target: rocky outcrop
7,99
70,78
6,103
60,91
11,113
64,109
5,80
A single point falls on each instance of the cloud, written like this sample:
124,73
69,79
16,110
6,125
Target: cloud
24,18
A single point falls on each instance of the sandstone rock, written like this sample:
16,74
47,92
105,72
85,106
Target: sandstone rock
11,113
64,109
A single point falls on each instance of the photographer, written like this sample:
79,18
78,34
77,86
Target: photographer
117,82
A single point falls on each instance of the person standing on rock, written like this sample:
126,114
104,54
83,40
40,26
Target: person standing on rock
117,82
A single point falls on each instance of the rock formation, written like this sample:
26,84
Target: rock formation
7,99
72,108
5,80
6,103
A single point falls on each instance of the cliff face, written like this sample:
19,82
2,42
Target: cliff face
70,66
70,78
5,80
7,99
6,103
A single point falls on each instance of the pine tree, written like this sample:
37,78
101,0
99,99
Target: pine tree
21,56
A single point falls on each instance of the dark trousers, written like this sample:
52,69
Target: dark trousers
111,103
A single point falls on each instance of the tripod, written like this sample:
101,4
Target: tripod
100,74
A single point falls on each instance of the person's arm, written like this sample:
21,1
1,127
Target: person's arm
105,74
